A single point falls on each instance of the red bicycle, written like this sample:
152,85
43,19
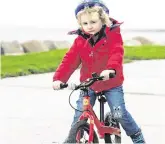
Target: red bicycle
83,131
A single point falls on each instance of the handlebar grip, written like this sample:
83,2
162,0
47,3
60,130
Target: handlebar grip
101,77
63,85
112,75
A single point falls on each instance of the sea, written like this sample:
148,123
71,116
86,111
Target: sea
26,33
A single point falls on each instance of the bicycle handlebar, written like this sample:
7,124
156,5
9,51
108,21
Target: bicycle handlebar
89,82
63,85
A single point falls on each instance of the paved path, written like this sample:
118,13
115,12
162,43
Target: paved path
32,113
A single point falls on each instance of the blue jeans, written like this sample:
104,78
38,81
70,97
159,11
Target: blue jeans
115,99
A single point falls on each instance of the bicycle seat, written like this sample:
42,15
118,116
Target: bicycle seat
100,93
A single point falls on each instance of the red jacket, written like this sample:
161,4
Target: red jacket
107,53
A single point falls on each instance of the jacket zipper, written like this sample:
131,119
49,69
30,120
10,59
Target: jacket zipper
91,55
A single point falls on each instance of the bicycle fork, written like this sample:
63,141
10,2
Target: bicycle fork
87,115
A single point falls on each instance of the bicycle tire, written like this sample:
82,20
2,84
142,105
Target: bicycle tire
109,121
78,126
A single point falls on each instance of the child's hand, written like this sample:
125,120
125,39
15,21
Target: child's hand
106,73
72,86
56,85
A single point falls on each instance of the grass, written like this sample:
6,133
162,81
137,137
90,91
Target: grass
31,63
145,52
43,62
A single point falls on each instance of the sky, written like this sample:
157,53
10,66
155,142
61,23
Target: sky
60,13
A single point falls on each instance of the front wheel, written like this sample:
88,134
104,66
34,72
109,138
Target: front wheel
79,133
110,121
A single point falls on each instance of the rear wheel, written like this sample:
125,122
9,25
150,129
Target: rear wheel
79,133
110,121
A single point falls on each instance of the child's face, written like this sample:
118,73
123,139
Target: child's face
91,23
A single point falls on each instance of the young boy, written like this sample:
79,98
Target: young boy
99,48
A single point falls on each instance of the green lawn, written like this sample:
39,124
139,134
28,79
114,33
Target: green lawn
31,63
145,52
48,61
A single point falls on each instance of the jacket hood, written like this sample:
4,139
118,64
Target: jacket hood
115,24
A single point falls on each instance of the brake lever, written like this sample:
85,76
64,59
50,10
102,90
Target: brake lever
89,82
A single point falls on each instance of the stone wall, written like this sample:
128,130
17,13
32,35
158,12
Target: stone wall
11,48
16,48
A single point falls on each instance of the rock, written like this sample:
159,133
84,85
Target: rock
11,48
34,46
2,51
143,40
50,44
132,43
62,44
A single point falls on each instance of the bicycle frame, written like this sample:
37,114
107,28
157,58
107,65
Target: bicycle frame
101,128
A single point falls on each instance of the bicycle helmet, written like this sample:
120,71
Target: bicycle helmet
91,3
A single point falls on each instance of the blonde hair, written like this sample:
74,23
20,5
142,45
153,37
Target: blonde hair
102,15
